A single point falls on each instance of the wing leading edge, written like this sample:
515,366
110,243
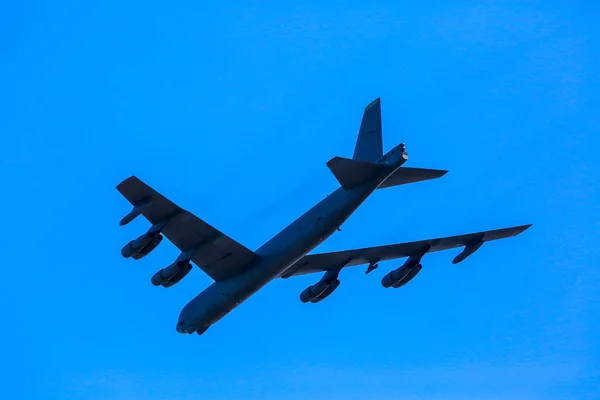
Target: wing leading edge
313,263
215,253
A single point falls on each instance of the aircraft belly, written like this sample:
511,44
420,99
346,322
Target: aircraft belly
275,257
220,298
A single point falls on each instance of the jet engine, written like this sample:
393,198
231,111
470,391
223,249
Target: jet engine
322,289
141,246
401,276
334,285
169,276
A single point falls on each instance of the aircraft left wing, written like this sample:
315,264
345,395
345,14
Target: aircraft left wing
215,253
370,255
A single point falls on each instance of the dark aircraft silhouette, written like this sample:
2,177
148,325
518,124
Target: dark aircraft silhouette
239,272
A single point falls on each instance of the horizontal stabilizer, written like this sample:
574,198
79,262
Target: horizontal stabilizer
352,173
404,175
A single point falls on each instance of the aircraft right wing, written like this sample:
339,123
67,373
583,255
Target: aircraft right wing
218,255
313,263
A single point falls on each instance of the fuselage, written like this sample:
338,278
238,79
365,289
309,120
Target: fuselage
282,251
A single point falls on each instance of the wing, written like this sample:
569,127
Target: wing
328,261
216,254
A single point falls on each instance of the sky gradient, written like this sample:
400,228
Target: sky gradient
232,110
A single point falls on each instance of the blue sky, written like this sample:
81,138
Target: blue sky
232,109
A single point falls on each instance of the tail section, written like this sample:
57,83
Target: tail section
352,173
405,175
368,158
369,145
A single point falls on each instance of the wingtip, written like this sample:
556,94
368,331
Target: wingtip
523,228
124,181
373,103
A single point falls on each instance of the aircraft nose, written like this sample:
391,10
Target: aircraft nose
182,323
183,328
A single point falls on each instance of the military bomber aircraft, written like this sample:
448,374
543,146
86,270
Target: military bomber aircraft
239,272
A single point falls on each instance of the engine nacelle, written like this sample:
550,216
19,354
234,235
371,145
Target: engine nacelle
320,290
413,272
185,269
404,274
141,246
334,285
169,276
314,291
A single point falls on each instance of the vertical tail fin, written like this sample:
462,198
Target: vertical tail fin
369,145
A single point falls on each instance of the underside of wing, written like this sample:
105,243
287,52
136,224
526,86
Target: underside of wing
336,260
215,253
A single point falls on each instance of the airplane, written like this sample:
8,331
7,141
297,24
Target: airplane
239,272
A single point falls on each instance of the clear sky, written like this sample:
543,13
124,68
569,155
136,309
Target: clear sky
232,109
